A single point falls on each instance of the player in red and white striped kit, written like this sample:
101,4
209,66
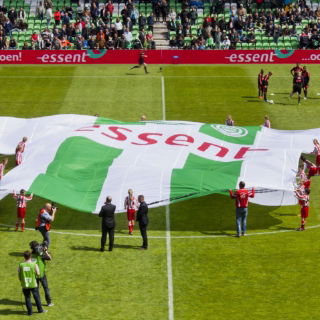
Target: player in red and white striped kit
304,204
20,149
316,151
302,180
3,164
21,207
131,205
313,169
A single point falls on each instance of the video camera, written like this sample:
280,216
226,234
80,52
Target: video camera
40,249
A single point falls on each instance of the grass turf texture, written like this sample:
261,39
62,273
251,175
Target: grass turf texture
271,276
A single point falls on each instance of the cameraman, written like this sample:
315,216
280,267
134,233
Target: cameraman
40,255
45,217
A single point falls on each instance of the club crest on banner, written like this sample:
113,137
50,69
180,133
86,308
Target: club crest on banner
230,131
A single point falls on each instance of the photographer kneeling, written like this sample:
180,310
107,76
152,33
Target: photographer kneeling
40,255
43,223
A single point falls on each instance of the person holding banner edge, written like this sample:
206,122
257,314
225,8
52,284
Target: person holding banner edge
242,199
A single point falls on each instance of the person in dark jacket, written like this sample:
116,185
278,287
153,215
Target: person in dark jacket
142,218
108,223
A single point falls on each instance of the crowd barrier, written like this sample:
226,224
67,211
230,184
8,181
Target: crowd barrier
159,56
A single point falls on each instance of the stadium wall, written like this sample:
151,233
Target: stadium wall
159,56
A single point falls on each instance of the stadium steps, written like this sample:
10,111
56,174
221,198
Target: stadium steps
160,35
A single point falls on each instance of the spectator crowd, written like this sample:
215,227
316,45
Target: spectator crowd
87,27
245,26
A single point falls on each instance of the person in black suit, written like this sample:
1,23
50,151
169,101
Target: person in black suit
108,223
142,217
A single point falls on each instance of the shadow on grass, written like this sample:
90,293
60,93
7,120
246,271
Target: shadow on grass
286,104
7,312
97,249
16,254
254,101
126,246
286,228
249,97
84,248
8,302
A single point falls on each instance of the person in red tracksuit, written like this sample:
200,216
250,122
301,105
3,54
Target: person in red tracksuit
242,199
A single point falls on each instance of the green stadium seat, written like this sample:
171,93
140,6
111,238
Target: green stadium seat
280,45
266,46
287,45
187,41
245,45
210,43
259,45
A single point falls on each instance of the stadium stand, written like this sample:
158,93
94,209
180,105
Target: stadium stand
64,24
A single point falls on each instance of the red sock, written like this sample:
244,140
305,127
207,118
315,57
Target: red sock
17,226
132,227
22,226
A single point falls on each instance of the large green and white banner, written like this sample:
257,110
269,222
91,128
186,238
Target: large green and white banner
78,160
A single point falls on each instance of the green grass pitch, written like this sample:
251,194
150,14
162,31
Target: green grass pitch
273,276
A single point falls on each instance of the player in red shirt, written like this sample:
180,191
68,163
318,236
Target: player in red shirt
20,149
296,69
260,86
316,151
130,204
3,164
242,199
305,84
303,198
22,199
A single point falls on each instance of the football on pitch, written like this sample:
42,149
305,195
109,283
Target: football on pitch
271,101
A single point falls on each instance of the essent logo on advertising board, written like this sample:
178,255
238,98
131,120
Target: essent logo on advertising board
63,57
251,57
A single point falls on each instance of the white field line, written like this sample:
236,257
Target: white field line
168,234
124,76
171,236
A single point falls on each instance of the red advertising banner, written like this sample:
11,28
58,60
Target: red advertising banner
159,56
